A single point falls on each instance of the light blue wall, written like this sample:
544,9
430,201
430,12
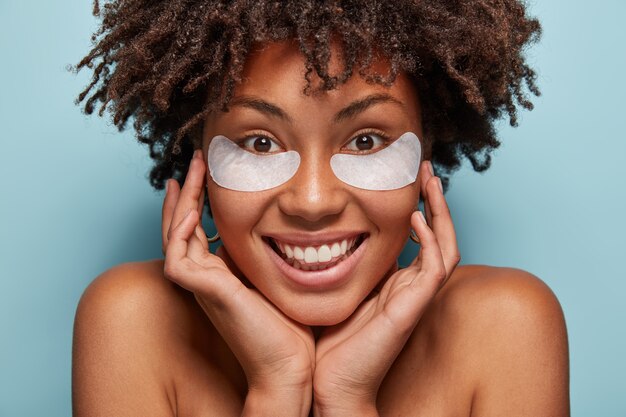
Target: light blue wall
74,199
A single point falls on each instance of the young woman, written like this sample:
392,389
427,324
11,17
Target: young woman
314,129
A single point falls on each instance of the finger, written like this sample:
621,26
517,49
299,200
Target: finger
201,199
177,264
198,245
172,190
199,232
186,269
430,257
192,189
205,276
425,175
442,226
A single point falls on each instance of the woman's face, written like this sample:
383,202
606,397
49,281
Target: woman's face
314,208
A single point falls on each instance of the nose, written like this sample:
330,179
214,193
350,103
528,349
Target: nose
314,193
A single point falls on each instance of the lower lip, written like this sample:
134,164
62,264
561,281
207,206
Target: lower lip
323,279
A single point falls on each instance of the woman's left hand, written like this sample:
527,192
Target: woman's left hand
353,357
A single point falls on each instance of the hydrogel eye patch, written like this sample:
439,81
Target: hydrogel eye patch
391,168
234,168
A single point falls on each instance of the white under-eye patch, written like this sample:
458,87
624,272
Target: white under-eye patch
237,169
391,168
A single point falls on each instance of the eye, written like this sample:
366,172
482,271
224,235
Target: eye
260,144
366,142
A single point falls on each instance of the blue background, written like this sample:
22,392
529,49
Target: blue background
75,201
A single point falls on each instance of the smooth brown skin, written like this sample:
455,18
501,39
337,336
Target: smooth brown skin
490,342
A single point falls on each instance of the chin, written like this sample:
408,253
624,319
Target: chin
320,312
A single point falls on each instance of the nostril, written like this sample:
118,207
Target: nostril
312,201
314,193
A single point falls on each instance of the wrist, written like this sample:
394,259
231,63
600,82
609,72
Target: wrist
287,402
343,409
332,399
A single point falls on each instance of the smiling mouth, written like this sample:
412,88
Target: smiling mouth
316,257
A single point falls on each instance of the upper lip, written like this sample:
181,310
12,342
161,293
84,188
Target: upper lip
313,239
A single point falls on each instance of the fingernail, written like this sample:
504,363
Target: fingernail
167,186
440,185
422,216
197,153
430,168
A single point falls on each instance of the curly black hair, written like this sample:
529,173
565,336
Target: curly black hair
167,64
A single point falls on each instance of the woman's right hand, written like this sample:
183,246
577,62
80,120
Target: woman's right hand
276,353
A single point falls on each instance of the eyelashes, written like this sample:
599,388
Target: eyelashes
367,142
362,143
261,145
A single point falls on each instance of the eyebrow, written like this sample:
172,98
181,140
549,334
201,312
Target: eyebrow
348,112
261,106
359,106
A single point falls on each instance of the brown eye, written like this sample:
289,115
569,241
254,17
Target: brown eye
366,142
260,144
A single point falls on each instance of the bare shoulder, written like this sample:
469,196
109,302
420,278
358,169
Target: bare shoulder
511,328
118,335
507,293
143,346
139,288
492,343
134,297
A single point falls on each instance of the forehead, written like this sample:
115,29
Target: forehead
277,71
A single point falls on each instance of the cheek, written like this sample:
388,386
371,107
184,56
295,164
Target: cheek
390,213
391,210
235,213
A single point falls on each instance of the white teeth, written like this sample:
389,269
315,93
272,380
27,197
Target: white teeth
318,267
288,251
310,255
323,254
304,256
